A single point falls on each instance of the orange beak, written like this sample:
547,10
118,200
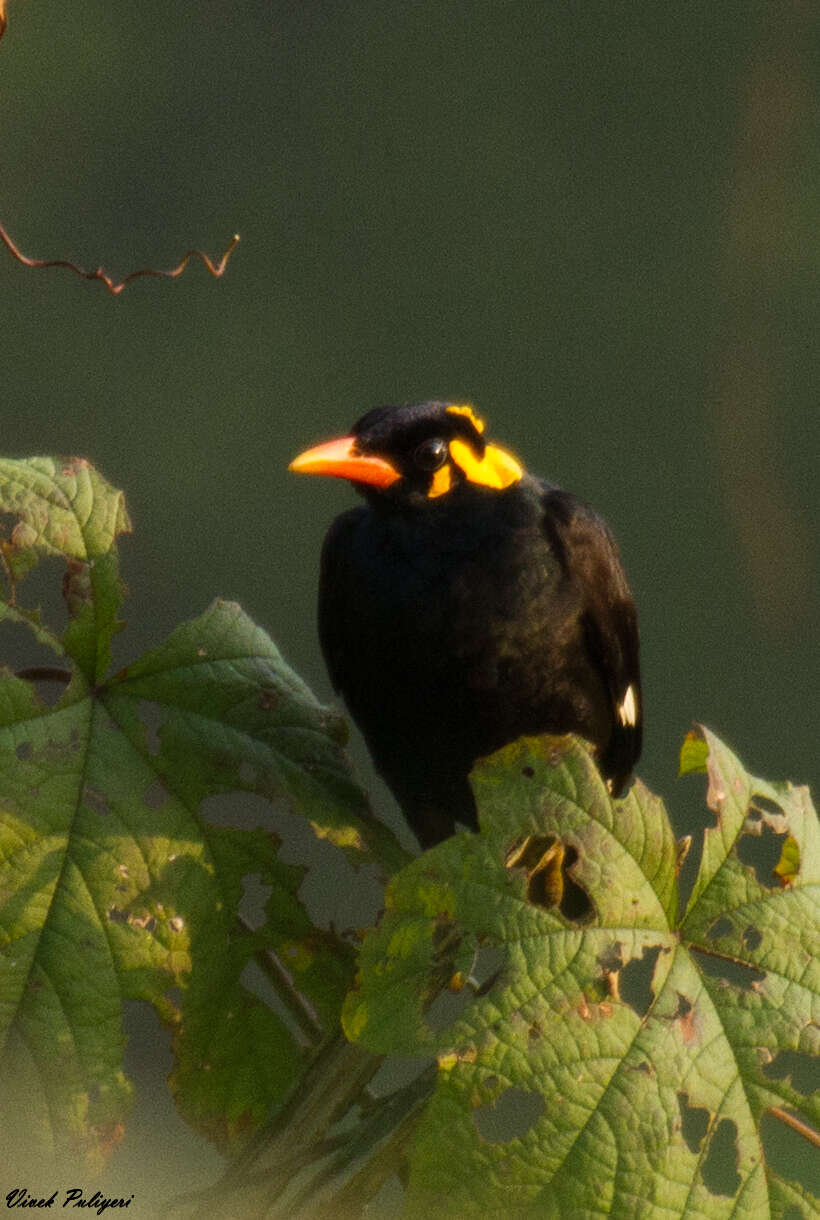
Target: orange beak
340,459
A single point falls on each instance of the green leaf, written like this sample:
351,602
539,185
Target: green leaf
234,1055
234,717
694,754
115,885
94,593
595,1065
755,931
63,508
66,508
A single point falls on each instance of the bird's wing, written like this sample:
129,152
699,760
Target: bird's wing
589,555
338,597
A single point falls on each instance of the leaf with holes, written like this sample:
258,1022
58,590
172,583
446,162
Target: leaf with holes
65,508
753,926
589,1062
114,885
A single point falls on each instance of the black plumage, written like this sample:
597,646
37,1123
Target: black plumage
467,604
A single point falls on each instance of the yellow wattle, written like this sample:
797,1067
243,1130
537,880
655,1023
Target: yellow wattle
442,482
467,410
496,468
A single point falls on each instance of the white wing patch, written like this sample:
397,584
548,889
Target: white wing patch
628,708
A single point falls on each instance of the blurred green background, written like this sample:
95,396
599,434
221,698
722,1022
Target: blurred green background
597,221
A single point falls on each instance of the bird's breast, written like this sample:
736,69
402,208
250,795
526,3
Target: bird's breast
473,606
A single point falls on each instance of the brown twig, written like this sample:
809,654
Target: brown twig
216,269
3,19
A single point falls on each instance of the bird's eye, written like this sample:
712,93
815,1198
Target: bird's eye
431,454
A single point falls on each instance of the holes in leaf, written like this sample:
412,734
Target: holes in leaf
804,1070
786,1152
763,805
721,927
175,996
575,904
49,681
487,966
719,1169
697,818
148,1057
510,1116
736,973
152,717
527,852
450,991
694,1123
548,863
243,810
635,982
760,848
333,892
255,895
397,1072
254,979
446,1008
23,750
752,939
41,586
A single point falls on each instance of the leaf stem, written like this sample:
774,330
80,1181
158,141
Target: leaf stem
796,1124
296,1135
302,1011
382,1141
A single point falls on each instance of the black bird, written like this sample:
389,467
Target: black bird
467,604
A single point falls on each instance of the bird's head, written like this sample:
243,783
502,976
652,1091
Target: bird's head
414,453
